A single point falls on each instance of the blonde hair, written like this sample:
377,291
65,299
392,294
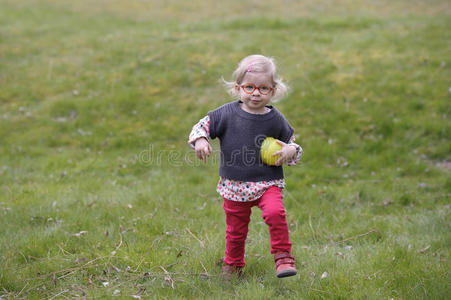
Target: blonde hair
258,64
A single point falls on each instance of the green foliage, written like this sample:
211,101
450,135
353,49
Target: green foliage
100,195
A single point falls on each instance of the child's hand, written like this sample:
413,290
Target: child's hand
286,153
203,149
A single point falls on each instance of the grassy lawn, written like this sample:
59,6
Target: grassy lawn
100,195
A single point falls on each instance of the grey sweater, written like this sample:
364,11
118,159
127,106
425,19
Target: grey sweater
241,134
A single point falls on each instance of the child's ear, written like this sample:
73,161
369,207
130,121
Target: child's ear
237,87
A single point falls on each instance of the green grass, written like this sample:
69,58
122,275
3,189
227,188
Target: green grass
101,196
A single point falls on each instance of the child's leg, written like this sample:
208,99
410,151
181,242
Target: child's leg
237,220
274,215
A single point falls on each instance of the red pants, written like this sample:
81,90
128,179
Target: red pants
237,220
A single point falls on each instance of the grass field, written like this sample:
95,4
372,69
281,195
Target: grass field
100,195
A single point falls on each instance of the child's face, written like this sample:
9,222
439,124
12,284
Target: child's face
255,101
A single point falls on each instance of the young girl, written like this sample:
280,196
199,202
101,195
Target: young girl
245,181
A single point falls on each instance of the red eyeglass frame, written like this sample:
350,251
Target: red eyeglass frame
256,87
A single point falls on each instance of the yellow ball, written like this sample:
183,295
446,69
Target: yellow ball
269,146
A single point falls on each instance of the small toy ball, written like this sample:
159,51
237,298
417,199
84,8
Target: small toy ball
269,146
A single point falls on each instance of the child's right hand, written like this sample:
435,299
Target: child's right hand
203,149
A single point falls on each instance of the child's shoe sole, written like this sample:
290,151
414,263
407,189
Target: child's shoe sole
286,273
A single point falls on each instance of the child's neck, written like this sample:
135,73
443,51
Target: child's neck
265,111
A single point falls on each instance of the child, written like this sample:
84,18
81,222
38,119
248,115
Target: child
245,181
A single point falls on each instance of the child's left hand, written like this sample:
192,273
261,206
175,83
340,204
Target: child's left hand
286,153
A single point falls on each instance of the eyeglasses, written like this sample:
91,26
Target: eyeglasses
250,88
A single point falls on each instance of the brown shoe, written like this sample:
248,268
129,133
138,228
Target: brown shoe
229,272
284,264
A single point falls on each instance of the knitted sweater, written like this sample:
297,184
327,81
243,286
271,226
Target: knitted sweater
241,134
240,191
